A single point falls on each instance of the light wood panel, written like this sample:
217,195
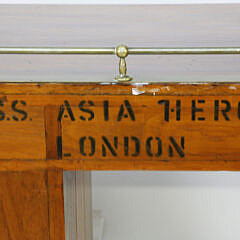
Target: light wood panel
78,205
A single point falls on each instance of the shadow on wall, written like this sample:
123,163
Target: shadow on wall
167,179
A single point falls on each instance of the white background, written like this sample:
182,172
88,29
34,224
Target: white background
117,1
168,205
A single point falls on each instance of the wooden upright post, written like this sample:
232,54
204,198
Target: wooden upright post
31,202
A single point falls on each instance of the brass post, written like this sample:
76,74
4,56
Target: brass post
122,53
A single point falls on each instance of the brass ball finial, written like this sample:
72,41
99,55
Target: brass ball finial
122,51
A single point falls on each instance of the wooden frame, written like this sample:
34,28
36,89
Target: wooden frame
37,130
36,121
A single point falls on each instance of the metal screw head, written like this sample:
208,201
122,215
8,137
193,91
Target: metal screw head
122,51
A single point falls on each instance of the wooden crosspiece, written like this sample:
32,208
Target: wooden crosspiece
46,128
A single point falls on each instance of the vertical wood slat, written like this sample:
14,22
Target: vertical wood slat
55,177
52,132
84,205
31,205
24,205
70,205
56,205
31,202
78,205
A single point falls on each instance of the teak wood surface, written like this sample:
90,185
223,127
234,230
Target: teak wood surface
136,126
31,202
46,128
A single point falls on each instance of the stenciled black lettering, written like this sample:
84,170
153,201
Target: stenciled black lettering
136,143
174,144
129,113
178,110
223,110
15,108
238,110
107,145
195,109
149,147
59,146
69,110
166,108
87,110
106,110
2,114
82,146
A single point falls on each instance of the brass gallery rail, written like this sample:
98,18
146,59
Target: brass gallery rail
112,50
121,51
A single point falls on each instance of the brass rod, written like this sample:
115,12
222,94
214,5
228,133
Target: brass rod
112,50
55,50
168,51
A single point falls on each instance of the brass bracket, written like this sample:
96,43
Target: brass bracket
122,53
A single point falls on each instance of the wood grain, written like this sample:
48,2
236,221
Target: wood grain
55,178
31,205
56,205
148,135
30,140
202,133
78,205
24,205
31,202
